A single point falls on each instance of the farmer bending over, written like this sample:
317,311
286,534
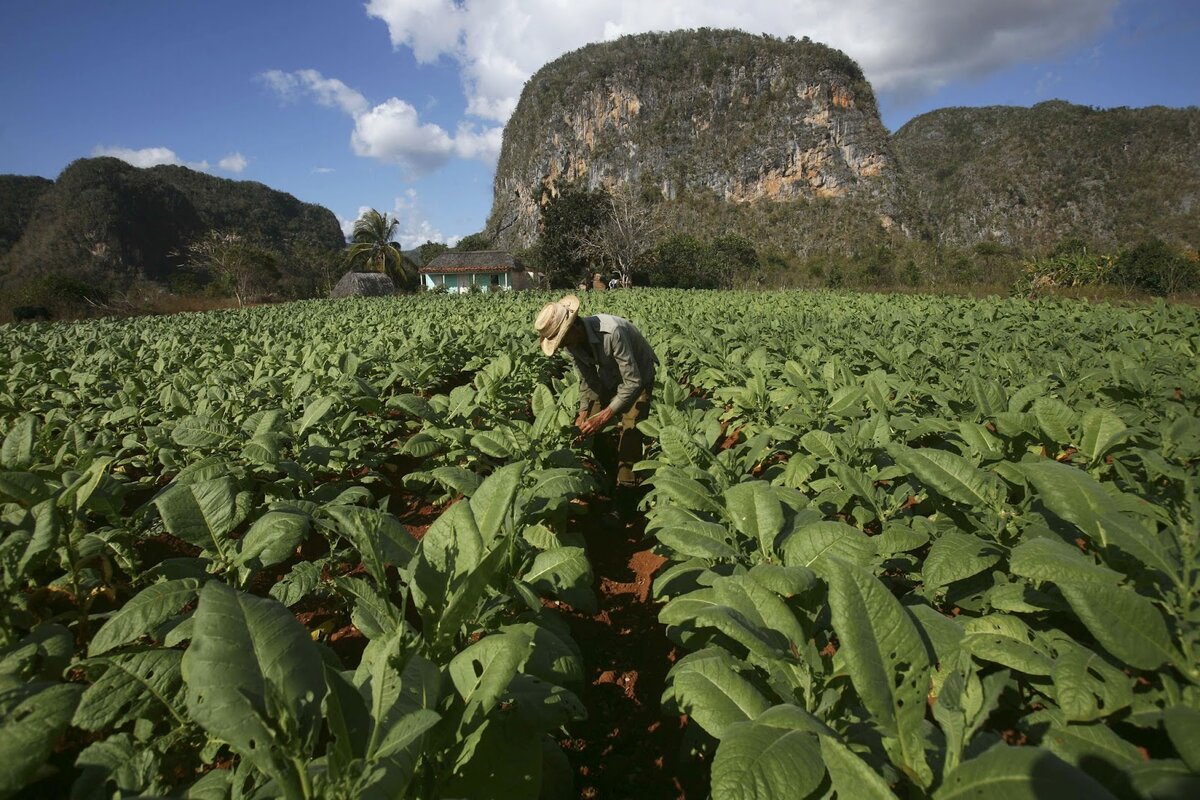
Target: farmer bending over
616,376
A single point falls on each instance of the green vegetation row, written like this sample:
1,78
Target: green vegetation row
932,547
207,587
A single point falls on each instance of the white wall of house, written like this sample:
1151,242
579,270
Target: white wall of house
461,282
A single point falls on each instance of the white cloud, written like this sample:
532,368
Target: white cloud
414,228
348,224
483,144
392,131
147,156
234,162
323,170
906,47
326,91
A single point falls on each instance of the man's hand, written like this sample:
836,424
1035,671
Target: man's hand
592,425
579,420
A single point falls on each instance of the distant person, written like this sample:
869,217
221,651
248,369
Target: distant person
616,377
598,284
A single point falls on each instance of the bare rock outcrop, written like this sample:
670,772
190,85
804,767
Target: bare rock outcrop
696,117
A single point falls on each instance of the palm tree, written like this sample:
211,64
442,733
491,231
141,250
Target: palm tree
372,243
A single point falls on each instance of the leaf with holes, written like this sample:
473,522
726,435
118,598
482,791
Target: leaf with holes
886,658
147,610
128,686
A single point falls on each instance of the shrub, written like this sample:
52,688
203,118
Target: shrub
64,293
737,252
683,261
1156,267
1067,267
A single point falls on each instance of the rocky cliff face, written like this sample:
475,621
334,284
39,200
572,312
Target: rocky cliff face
691,117
1030,177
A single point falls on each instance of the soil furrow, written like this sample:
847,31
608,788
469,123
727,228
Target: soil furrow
627,748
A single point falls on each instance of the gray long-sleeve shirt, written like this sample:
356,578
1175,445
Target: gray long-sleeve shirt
616,365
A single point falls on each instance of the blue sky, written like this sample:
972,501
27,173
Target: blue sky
399,104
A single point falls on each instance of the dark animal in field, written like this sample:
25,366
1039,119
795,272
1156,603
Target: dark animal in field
31,313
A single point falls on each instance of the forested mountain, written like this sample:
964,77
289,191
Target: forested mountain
1032,177
777,142
110,223
780,141
18,197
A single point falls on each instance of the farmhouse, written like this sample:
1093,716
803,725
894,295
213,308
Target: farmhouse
485,270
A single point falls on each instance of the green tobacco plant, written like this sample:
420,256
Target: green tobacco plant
917,546
957,544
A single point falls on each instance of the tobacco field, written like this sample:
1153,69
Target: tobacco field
904,546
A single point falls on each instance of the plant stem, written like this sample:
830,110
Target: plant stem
305,781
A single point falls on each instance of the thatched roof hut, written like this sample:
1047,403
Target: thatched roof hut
363,284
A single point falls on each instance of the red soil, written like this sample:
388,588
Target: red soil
418,519
626,748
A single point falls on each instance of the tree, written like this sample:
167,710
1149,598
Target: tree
312,271
474,242
685,262
735,255
431,250
238,265
372,246
623,237
1156,267
566,219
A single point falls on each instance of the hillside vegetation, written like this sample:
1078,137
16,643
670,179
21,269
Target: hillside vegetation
699,136
18,197
109,225
780,141
1032,177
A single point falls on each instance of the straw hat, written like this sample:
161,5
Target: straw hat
553,322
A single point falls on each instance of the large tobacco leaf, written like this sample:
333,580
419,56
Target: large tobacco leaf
32,716
765,759
886,658
254,679
1018,773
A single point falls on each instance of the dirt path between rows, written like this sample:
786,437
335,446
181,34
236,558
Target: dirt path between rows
626,748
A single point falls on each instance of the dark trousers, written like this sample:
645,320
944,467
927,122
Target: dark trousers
623,445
